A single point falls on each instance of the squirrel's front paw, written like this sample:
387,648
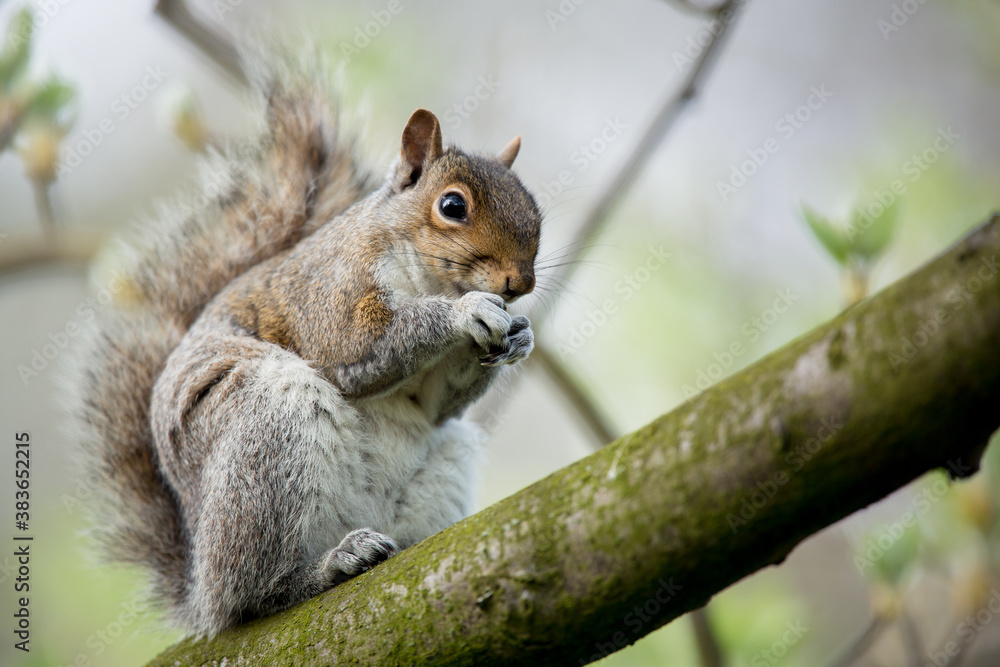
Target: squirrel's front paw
518,345
359,552
485,317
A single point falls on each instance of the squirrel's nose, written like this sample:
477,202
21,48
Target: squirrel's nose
517,286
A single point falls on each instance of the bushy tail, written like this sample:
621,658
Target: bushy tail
253,200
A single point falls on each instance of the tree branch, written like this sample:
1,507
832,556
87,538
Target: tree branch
709,650
694,8
857,648
595,219
605,551
214,43
18,253
575,395
43,203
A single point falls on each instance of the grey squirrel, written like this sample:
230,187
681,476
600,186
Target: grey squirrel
274,403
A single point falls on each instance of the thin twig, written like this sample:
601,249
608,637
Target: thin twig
598,214
958,656
43,203
911,639
597,217
574,393
214,43
709,649
862,643
18,253
9,125
694,8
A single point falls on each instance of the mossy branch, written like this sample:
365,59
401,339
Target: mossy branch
601,553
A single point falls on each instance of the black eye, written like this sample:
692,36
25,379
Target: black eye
453,206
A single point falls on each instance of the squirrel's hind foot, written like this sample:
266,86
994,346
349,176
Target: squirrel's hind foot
358,552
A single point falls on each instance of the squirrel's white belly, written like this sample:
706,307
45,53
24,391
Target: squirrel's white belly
396,472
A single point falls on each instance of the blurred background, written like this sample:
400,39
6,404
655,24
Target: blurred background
814,119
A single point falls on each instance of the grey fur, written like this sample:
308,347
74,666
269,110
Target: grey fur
273,404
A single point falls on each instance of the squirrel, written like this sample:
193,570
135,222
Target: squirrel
275,402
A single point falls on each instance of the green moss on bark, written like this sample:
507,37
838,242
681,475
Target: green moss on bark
667,516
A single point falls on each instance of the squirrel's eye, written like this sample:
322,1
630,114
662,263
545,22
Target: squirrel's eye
453,206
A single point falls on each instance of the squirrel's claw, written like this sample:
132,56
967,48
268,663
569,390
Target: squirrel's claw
359,552
519,344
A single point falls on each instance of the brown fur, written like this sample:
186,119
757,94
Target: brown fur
297,292
262,198
371,313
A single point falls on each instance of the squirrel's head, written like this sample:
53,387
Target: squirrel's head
472,223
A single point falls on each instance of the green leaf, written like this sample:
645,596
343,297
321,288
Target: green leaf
874,234
891,552
16,49
831,236
50,100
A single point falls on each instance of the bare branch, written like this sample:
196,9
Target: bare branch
574,393
43,203
18,253
862,643
214,43
661,124
911,639
694,8
709,650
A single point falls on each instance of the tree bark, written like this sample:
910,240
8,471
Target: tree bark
602,552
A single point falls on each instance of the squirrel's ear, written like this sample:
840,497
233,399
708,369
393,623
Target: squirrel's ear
421,146
509,152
